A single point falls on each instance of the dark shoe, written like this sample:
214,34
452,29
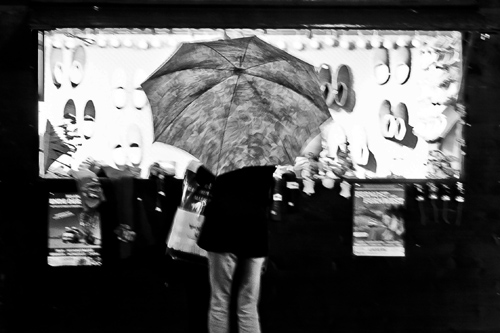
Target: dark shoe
345,98
325,80
386,120
70,110
404,133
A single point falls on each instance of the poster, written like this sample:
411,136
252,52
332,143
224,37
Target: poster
74,237
393,96
379,226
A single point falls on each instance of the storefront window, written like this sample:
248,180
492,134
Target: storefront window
394,98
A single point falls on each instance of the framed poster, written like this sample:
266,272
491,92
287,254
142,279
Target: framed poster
74,236
379,226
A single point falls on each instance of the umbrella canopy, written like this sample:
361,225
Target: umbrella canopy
235,103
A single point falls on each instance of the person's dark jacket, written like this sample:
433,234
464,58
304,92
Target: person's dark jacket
236,219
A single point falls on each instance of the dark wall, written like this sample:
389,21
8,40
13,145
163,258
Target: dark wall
450,281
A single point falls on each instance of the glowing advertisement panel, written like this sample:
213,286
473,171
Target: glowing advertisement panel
393,96
378,228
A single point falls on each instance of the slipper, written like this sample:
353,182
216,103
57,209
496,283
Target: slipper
77,69
139,98
402,64
335,139
358,146
360,152
134,144
57,66
345,97
118,83
371,165
400,113
381,65
119,157
388,124
452,117
404,134
89,120
69,112
325,80
118,153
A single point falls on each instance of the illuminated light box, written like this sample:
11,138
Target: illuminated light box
379,226
394,97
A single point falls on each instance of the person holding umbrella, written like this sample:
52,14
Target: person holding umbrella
242,107
235,237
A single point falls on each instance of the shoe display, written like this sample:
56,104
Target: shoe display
394,124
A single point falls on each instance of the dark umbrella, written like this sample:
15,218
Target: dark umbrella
235,103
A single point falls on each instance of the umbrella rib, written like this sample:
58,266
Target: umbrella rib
264,63
245,53
241,59
219,54
297,92
284,59
278,120
225,125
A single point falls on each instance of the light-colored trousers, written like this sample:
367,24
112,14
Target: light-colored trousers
221,272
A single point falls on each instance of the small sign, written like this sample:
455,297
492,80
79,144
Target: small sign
74,235
378,228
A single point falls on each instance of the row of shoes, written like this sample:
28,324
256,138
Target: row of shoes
394,124
126,148
76,70
337,89
123,93
70,122
395,64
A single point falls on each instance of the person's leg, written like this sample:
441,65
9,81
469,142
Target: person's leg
248,297
221,271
